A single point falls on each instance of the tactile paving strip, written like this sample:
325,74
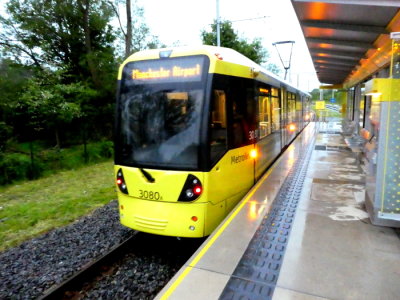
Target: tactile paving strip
256,274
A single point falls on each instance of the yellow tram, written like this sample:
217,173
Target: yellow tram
195,129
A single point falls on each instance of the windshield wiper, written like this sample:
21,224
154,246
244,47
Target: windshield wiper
147,175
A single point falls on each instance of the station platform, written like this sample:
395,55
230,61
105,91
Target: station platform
302,232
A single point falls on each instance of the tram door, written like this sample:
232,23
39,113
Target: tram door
269,136
284,117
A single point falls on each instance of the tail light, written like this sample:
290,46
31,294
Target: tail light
121,182
192,189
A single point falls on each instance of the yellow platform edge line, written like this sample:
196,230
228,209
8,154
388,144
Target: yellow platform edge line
203,251
219,231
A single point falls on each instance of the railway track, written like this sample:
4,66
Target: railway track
106,274
71,287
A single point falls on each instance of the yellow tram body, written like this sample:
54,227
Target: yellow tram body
224,186
148,196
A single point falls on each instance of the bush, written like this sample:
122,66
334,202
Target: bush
16,166
107,149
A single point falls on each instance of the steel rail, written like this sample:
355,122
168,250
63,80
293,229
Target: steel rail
76,282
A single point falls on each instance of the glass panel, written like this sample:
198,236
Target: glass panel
218,138
159,116
275,114
362,111
239,127
291,108
264,116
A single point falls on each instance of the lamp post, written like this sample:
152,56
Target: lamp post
218,27
284,47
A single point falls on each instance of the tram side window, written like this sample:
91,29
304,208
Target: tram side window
264,109
276,121
218,137
241,129
291,107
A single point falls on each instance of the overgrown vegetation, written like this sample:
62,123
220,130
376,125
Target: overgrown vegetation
31,208
58,67
34,160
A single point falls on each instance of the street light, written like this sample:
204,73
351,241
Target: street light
283,47
218,27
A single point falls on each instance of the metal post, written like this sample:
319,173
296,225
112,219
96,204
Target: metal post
218,27
285,63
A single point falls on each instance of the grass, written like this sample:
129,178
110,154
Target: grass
34,207
16,163
328,113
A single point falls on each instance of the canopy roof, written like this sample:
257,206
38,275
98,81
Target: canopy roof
348,39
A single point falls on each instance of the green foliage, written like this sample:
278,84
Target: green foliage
230,39
19,165
106,149
339,95
48,103
274,69
139,36
46,100
5,135
54,31
31,208
13,80
57,80
15,167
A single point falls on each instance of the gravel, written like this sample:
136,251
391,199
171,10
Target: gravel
28,270
143,272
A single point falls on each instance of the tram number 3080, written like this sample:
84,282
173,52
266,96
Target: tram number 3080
253,134
150,195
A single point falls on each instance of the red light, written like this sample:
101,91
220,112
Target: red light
119,181
194,218
197,190
122,207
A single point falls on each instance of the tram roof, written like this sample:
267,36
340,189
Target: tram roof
216,53
349,40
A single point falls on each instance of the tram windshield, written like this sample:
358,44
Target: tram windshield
159,113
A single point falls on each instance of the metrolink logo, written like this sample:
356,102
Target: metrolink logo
239,158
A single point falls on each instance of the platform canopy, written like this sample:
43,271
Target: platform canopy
348,40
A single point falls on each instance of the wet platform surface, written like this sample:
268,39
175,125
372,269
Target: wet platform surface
333,251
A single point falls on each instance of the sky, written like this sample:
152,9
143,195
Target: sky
180,22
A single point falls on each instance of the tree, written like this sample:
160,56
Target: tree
13,80
73,35
230,39
136,34
273,68
47,103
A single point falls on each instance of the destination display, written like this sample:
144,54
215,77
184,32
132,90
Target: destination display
178,69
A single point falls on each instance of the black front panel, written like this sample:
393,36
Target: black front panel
159,111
